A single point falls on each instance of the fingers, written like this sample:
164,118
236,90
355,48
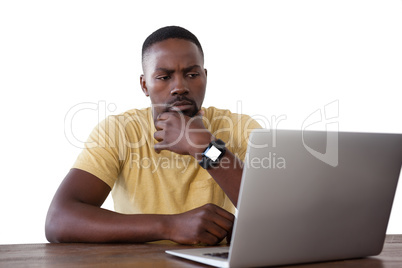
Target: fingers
178,133
200,113
229,236
204,225
218,222
223,218
166,115
160,124
225,214
210,239
217,231
209,233
160,146
158,135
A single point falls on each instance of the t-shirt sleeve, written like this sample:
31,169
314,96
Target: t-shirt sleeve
243,128
103,155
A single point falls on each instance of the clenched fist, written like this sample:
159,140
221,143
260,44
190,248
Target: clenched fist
181,134
208,224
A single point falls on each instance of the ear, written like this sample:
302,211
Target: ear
205,70
144,85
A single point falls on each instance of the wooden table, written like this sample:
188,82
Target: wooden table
153,255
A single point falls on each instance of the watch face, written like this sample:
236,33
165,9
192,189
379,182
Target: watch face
213,153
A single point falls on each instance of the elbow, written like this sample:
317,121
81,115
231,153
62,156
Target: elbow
52,230
54,227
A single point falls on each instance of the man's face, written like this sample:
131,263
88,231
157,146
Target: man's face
174,77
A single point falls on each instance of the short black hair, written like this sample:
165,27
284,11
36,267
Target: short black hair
167,33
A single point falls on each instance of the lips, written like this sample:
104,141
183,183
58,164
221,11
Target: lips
180,105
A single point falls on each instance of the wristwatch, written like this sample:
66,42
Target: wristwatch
214,152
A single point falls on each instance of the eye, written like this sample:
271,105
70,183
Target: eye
193,75
163,77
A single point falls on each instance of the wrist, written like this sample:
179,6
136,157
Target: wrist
213,154
167,226
202,143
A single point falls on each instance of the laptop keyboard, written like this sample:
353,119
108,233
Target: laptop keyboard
223,255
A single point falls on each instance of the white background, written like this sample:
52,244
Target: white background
276,57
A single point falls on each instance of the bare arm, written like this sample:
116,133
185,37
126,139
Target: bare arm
228,174
196,138
75,216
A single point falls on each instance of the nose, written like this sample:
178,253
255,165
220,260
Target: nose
180,87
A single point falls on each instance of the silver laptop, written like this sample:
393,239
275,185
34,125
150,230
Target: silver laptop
310,196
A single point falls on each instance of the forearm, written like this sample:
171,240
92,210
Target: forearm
79,222
75,216
228,175
196,138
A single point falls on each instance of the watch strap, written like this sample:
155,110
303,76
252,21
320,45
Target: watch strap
206,162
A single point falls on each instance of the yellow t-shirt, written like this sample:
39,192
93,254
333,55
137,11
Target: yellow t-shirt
120,152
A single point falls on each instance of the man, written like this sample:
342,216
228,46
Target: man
163,186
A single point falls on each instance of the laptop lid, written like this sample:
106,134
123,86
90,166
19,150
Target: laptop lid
310,196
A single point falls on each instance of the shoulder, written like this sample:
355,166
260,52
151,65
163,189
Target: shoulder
138,114
212,112
131,118
131,125
233,128
218,118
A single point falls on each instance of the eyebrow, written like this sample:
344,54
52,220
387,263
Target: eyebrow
169,71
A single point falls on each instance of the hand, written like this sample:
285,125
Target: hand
208,224
181,134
